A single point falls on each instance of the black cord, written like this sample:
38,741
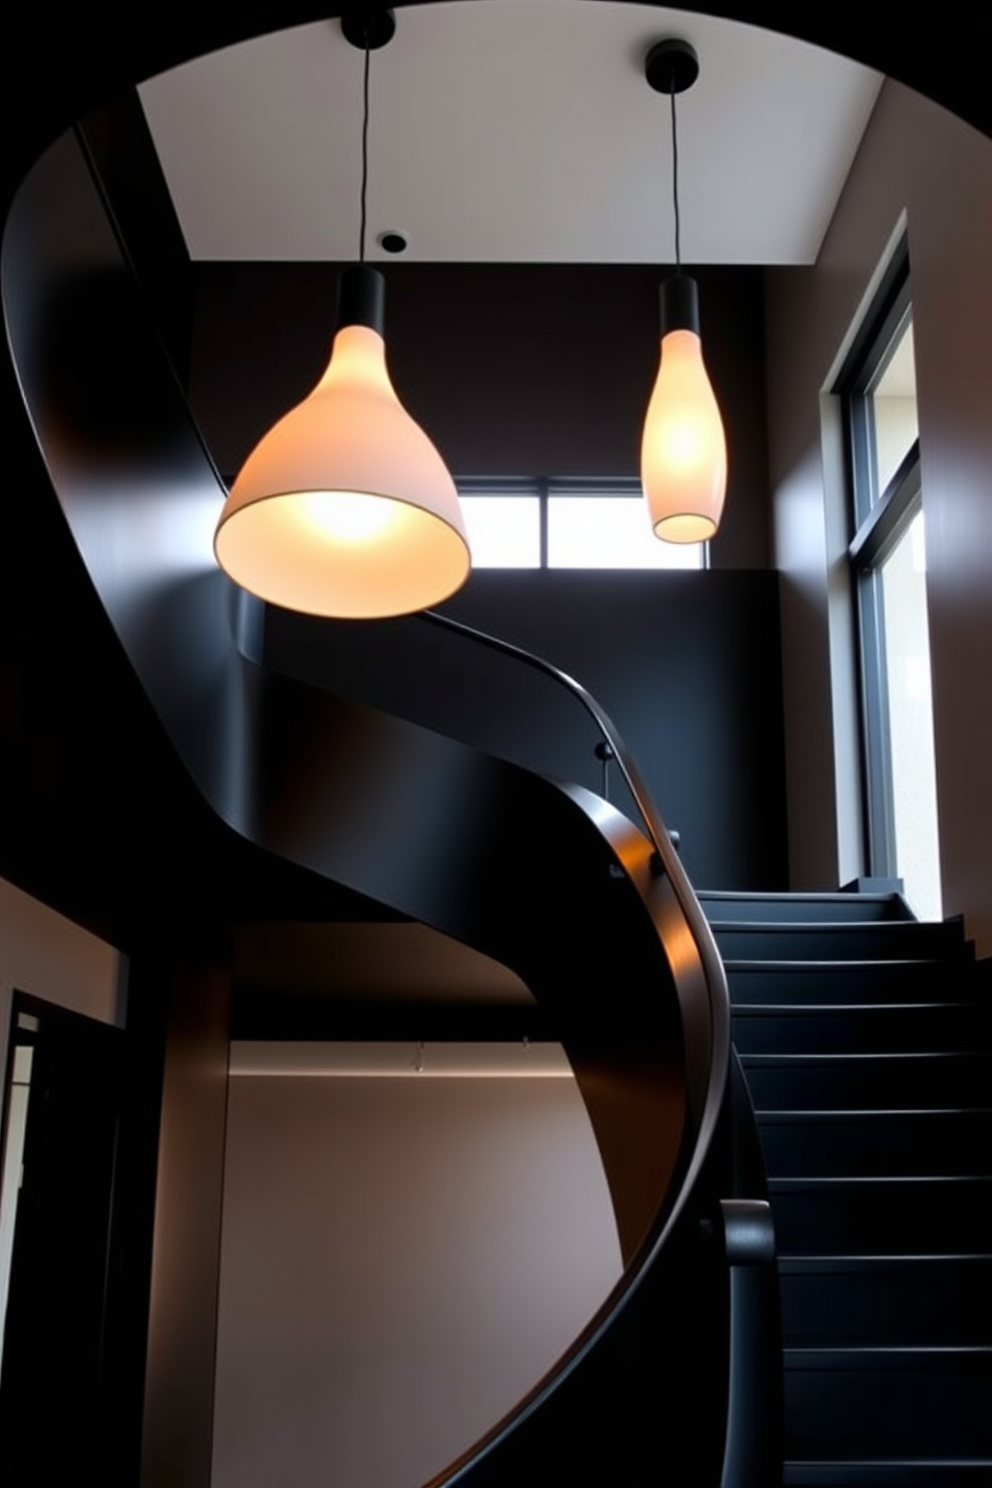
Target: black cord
675,184
365,153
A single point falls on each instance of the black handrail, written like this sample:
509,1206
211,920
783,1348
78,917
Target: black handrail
667,857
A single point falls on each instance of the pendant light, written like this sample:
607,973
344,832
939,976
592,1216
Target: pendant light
345,508
683,449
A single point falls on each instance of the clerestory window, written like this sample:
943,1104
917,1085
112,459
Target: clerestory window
567,524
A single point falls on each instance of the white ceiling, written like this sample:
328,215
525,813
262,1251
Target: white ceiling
511,131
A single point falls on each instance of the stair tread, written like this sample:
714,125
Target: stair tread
807,1057
829,1009
872,1113
795,1183
886,1472
913,927
898,1353
799,1264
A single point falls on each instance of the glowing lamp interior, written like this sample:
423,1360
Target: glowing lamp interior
683,449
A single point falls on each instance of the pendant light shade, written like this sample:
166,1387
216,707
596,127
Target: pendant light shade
683,449
345,508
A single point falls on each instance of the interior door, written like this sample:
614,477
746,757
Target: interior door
55,1410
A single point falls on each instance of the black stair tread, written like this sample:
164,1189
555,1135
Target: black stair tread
796,980
871,1113
942,1472
807,1009
901,1357
882,1216
825,1184
924,1026
824,1264
718,904
886,1301
837,1060
884,1143
869,929
893,1081
856,939
886,1403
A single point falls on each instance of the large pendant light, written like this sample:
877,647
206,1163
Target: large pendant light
345,508
683,448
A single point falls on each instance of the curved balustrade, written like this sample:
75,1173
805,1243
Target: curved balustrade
519,866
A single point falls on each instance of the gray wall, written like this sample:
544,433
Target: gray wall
401,1259
919,161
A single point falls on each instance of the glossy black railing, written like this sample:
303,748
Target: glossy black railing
715,1040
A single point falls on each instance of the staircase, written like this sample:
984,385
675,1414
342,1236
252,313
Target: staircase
864,1038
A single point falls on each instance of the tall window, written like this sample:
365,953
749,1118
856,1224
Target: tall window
888,558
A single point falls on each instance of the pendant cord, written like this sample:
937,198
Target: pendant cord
365,153
675,185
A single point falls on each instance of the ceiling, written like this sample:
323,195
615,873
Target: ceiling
515,131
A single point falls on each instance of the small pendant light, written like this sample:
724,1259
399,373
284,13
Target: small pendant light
345,508
683,449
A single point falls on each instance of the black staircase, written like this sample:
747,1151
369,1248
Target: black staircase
864,1038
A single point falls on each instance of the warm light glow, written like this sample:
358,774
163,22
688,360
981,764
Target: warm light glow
345,508
347,516
683,450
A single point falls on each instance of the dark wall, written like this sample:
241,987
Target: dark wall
686,664
182,1317
513,369
546,370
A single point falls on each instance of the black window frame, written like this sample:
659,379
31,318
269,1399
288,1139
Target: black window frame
878,521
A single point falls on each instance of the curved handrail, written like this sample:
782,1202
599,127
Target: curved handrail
713,969
715,980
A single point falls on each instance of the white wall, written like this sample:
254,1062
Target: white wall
402,1258
920,161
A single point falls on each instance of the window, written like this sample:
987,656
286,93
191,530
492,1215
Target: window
888,558
567,524
504,530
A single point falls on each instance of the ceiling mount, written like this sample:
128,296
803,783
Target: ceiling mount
369,25
671,66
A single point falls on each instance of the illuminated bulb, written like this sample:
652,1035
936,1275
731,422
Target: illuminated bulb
683,449
347,516
345,508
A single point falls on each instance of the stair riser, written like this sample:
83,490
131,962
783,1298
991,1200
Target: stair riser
883,942
878,1145
943,1303
939,1407
896,1218
869,1030
802,909
887,1474
914,981
871,1084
